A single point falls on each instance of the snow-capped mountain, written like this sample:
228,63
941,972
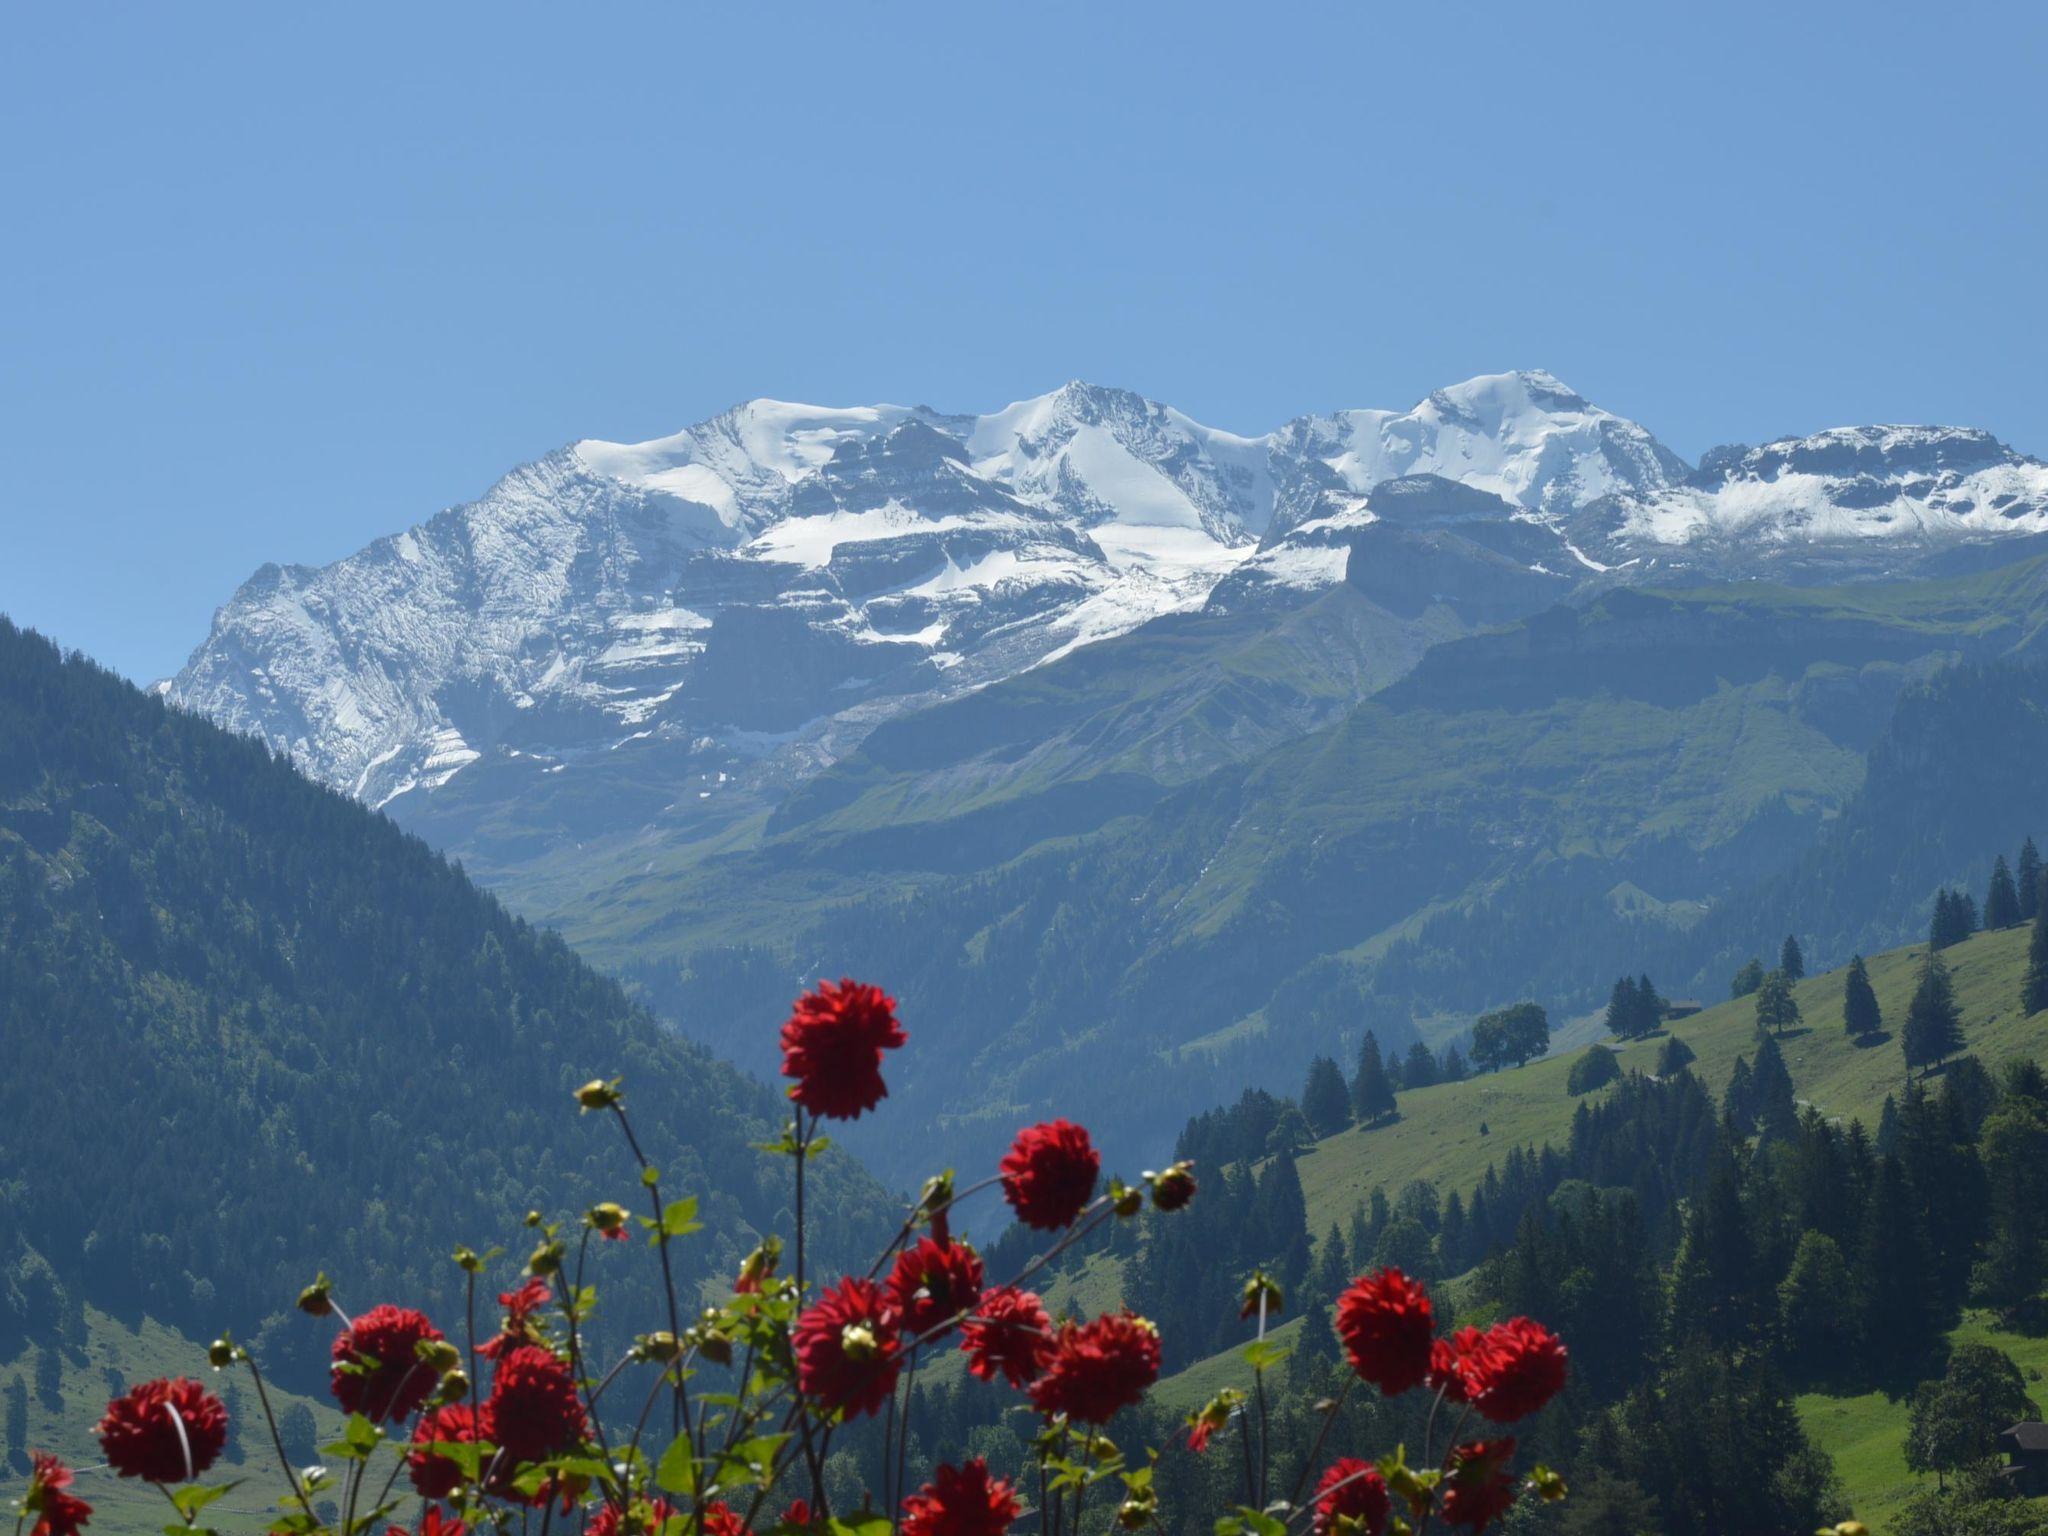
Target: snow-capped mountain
758,590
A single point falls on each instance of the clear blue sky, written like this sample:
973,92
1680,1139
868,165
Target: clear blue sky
276,279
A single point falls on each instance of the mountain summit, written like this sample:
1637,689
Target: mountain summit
763,587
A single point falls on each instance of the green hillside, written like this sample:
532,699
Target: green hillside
1438,1135
111,1356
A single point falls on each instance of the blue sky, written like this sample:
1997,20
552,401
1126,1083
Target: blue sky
278,279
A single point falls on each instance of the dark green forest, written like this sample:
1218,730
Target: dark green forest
251,1029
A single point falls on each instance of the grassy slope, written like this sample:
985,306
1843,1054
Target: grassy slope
138,1354
1438,1134
1437,1138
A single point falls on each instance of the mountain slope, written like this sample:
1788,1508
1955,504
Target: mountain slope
200,950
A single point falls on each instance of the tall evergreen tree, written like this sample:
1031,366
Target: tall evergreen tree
1372,1095
1621,1009
1892,1268
1777,1114
1934,1029
1420,1070
2034,990
1325,1101
2014,1149
1650,1002
2001,897
2027,878
1738,1103
1861,1016
1450,1067
1748,979
1776,1008
1675,1057
1714,1288
1817,1311
1791,960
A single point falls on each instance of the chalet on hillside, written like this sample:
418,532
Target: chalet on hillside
2026,1456
1681,1007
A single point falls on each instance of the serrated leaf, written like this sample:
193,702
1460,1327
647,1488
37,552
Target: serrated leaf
679,1219
1265,1352
872,1525
193,1497
1258,1523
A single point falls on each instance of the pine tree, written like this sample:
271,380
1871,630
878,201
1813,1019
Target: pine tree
2034,990
1888,1127
1325,1101
1777,1113
1714,1279
2014,1148
1892,1267
1776,1009
1738,1103
2027,880
1420,1070
1451,1066
1675,1057
1650,1004
1621,1009
1933,1030
1748,979
1372,1095
1790,960
2001,897
1817,1310
1861,1016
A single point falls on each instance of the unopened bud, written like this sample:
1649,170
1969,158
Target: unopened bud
1135,1513
1261,1295
1174,1188
659,1346
438,1355
598,1094
534,1218
220,1354
1125,1200
546,1260
454,1386
316,1299
608,1216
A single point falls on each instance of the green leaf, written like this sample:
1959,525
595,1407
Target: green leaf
466,1454
1265,1352
193,1497
650,1176
750,1461
679,1219
1228,1525
1259,1523
871,1525
676,1472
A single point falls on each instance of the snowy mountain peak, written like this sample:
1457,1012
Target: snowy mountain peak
766,585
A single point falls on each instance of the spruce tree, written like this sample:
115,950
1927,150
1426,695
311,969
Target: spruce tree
1777,1113
2014,1148
1893,1266
1372,1095
1790,959
1420,1068
1325,1101
2034,990
1621,1009
1861,1016
2027,880
1738,1103
1451,1065
2001,897
1748,979
1650,1004
1934,1030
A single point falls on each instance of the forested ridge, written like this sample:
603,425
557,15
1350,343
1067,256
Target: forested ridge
253,1030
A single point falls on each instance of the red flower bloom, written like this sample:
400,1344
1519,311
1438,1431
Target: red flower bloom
1095,1369
377,1369
57,1512
1175,1188
932,1283
1351,1490
832,1045
164,1431
962,1502
721,1520
1387,1325
436,1476
1009,1334
432,1523
1519,1366
798,1514
758,1267
1450,1364
533,1411
1049,1174
1477,1488
1198,1435
846,1348
651,1515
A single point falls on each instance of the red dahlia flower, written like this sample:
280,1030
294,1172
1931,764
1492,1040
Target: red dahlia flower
377,1369
435,1477
1095,1369
721,1520
1477,1488
1387,1325
519,1305
164,1431
1009,1335
932,1283
650,1515
847,1349
1520,1365
962,1502
832,1045
533,1411
57,1512
1451,1362
1049,1174
1174,1188
1351,1490
432,1523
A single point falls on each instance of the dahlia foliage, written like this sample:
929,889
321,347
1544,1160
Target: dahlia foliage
718,1422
